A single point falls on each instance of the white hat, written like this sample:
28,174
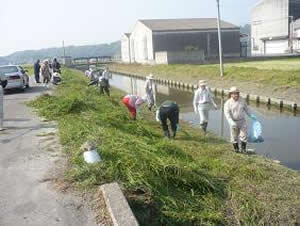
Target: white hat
234,90
150,76
202,83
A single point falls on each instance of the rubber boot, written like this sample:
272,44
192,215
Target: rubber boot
205,127
236,147
174,134
244,146
167,134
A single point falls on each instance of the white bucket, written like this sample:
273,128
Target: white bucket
91,156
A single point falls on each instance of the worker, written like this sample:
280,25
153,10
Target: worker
37,68
235,110
203,102
149,87
56,66
168,110
106,74
3,83
45,72
133,103
104,85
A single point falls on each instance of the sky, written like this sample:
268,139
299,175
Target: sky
37,24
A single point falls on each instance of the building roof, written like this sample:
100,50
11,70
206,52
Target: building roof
297,24
186,24
127,34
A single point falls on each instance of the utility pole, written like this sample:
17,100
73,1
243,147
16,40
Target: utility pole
291,29
63,43
220,41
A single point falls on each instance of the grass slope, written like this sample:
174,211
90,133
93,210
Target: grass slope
275,73
193,180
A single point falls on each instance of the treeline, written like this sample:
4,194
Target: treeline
30,56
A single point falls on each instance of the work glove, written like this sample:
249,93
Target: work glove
177,127
253,117
157,116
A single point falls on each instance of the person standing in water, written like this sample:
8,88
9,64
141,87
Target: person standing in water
203,102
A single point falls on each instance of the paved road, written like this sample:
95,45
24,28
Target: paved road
26,197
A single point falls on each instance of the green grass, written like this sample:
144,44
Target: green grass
192,180
29,68
273,73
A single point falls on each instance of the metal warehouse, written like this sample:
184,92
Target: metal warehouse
166,41
273,27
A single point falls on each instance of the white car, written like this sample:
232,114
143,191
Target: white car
16,77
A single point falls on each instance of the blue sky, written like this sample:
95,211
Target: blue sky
35,24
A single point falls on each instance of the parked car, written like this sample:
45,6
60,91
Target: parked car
16,77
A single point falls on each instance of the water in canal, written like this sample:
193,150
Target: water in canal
280,129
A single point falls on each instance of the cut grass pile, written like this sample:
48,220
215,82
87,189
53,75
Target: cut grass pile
192,180
274,73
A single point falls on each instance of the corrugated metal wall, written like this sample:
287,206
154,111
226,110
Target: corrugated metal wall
206,41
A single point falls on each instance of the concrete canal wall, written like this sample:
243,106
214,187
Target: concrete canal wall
293,106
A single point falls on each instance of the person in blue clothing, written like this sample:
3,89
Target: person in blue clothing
37,68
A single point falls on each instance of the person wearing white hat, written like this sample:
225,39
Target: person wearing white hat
150,91
235,110
203,102
3,83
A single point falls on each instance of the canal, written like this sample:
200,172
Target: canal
281,129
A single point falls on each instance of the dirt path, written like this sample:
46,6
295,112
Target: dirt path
27,158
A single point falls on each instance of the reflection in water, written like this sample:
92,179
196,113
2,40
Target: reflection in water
280,128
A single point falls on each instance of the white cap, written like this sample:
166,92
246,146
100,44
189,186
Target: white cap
234,90
150,76
202,83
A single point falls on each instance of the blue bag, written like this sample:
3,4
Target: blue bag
255,135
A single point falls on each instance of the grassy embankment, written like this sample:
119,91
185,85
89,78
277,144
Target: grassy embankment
275,73
193,180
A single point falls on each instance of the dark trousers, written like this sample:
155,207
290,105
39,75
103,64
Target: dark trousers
37,77
171,113
104,88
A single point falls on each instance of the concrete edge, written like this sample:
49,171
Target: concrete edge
258,99
117,205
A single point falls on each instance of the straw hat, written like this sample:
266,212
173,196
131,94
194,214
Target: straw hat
202,83
150,76
234,90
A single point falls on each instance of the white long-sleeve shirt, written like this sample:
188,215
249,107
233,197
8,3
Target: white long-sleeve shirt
203,96
236,110
106,74
149,86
